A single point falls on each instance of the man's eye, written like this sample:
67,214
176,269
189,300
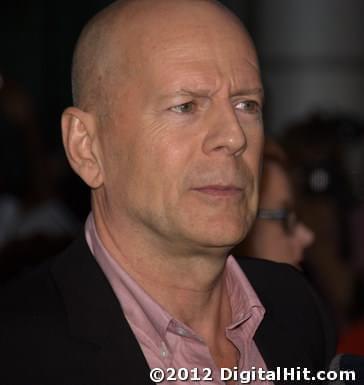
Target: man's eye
250,106
183,108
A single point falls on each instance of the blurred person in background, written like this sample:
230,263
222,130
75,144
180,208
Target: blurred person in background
34,221
277,234
325,152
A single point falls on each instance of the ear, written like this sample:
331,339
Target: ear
80,143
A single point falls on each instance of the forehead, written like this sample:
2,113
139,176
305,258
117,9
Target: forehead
204,47
200,66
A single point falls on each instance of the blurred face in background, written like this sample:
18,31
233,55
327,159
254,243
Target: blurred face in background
277,234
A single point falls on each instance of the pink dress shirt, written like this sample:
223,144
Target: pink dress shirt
167,342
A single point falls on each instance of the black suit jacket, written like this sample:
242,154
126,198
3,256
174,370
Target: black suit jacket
62,324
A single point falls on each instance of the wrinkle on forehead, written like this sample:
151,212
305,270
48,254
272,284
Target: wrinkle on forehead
118,41
200,67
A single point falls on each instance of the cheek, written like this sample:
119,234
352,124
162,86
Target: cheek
160,169
122,166
254,151
276,239
296,245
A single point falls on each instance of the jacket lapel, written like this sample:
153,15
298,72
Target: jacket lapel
277,345
278,339
95,316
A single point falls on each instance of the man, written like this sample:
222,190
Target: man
167,132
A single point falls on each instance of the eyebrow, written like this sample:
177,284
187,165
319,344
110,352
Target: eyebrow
259,91
250,91
199,93
287,204
204,92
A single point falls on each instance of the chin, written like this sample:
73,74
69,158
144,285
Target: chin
218,228
224,235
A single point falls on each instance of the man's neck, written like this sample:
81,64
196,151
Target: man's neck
190,287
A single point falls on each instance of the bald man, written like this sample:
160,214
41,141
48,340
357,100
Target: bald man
166,130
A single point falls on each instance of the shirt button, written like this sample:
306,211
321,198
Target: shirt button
164,350
181,331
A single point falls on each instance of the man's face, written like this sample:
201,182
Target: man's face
182,148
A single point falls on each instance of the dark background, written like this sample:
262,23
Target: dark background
312,53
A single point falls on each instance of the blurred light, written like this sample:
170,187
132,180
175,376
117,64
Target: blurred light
319,180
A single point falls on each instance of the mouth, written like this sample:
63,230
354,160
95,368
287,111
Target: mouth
220,190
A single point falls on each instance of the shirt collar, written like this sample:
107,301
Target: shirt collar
119,278
243,299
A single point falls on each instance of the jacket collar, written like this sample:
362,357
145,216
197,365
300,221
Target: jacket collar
280,340
95,316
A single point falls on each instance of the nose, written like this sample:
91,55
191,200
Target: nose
225,133
304,235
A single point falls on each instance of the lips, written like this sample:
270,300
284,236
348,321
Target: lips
220,190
